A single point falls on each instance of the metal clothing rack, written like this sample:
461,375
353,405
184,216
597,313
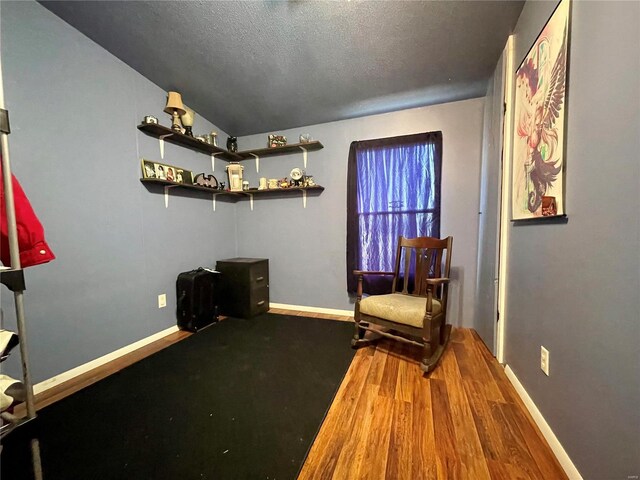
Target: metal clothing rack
13,278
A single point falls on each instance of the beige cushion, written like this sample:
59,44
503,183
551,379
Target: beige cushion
395,307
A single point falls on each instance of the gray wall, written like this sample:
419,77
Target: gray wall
306,247
75,149
574,287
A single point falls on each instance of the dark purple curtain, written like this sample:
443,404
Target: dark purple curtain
393,189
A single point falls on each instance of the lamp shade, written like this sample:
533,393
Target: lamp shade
187,117
174,102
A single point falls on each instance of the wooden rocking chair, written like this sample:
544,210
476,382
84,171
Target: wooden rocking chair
417,317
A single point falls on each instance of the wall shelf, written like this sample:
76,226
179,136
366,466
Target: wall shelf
284,150
235,196
164,133
160,131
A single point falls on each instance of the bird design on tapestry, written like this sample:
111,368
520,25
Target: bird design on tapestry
539,129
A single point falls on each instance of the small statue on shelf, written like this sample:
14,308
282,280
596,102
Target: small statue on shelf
232,144
204,180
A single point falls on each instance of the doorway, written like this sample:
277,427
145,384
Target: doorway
490,308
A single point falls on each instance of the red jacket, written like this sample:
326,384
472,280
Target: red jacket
31,243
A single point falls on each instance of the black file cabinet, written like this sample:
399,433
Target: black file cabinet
244,286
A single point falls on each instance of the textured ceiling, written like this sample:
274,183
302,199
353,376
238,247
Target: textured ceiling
252,67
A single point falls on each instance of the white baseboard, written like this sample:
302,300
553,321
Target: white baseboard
302,308
77,371
557,448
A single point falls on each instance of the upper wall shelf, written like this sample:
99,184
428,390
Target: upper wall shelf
177,138
286,149
160,131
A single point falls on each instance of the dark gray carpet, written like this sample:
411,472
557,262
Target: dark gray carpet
242,399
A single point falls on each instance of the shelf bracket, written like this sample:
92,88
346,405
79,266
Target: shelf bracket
214,200
304,157
257,162
304,199
251,201
213,162
166,194
161,143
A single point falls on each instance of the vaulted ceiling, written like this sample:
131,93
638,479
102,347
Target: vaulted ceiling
259,66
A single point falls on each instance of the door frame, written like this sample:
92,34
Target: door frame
505,197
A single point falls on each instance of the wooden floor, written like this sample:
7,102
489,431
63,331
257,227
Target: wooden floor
388,421
463,422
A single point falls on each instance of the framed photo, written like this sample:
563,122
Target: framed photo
148,169
539,129
184,176
170,173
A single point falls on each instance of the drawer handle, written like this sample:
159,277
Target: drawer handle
259,279
260,303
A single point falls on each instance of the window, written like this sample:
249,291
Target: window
393,189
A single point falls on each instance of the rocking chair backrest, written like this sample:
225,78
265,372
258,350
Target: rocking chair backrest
422,258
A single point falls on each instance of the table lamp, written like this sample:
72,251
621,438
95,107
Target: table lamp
187,120
175,108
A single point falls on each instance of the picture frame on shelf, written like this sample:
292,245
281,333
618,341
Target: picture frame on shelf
162,171
148,169
277,141
184,176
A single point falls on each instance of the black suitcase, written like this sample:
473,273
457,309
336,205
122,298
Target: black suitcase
197,299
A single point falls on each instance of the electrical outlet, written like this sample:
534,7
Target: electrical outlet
544,360
162,300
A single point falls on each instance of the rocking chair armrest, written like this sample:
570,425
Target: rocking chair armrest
364,272
437,281
360,274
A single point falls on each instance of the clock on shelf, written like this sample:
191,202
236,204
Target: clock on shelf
296,177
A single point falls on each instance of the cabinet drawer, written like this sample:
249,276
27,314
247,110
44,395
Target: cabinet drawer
259,274
259,301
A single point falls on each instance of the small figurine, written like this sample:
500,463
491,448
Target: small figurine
232,144
204,180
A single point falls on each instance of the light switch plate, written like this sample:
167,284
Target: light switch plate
162,300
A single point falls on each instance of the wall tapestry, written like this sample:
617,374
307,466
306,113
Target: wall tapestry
539,141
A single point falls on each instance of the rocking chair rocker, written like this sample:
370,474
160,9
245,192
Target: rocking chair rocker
417,317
